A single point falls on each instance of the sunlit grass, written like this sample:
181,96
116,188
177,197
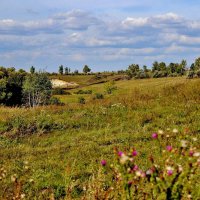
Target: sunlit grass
64,144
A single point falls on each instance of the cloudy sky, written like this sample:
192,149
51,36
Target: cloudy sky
105,34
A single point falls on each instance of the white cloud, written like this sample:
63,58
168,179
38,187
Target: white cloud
168,17
74,20
79,36
134,22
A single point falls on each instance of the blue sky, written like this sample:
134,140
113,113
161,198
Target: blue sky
106,34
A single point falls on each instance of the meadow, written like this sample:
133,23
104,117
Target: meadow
56,151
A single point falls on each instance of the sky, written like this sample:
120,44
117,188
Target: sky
104,34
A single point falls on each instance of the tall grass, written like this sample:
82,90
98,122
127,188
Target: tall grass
63,145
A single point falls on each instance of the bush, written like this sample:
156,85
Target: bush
81,100
99,96
110,87
175,74
83,92
159,74
55,101
60,91
44,122
67,93
198,73
190,74
141,75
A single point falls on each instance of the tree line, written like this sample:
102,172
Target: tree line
161,69
158,70
35,88
67,70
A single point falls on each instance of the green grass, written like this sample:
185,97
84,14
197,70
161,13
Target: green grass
64,145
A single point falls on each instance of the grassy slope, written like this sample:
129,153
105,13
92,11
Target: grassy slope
84,80
81,135
80,79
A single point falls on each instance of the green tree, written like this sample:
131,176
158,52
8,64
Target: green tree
192,67
155,66
37,89
32,70
182,67
132,70
172,68
11,69
14,86
76,72
22,71
86,69
4,95
11,86
66,70
162,66
197,64
61,69
145,68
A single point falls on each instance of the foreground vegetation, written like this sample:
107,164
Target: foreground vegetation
56,151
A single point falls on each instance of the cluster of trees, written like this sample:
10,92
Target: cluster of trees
158,70
37,89
11,84
173,69
161,69
66,70
22,88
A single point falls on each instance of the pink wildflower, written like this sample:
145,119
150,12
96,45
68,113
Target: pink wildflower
191,153
130,183
120,153
103,162
134,153
169,172
135,168
169,148
154,135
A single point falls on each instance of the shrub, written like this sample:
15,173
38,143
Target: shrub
83,92
99,96
81,100
110,87
141,75
55,101
190,74
67,93
60,91
44,122
159,74
198,73
175,74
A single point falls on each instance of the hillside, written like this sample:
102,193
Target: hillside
85,80
63,145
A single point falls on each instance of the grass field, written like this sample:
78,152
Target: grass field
64,145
